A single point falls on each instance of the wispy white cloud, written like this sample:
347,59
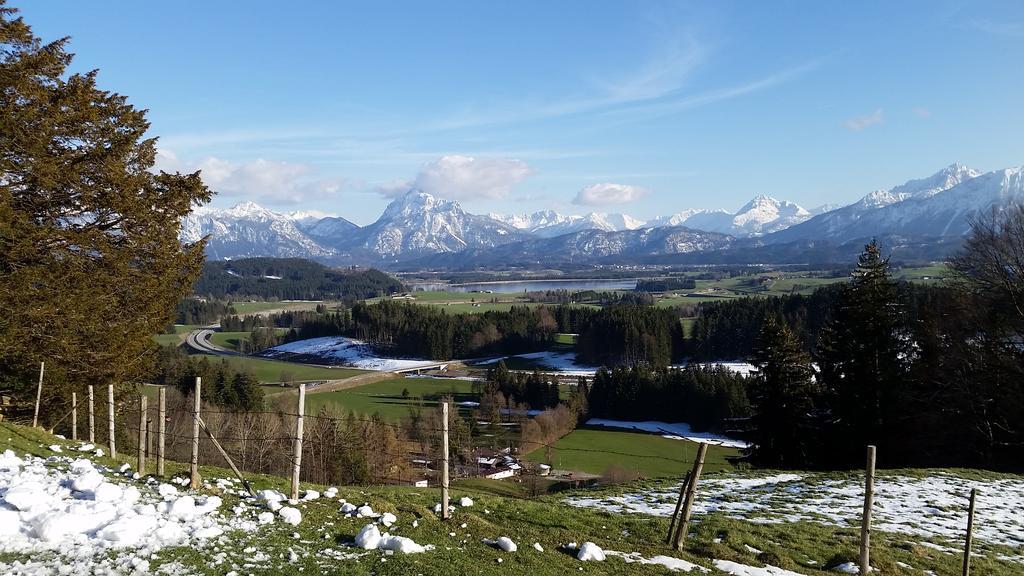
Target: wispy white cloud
685,102
921,112
858,123
258,180
607,193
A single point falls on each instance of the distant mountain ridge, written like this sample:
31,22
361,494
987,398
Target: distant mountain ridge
420,228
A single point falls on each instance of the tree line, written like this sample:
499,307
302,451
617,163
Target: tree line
291,279
932,376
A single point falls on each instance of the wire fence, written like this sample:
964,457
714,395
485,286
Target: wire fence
333,448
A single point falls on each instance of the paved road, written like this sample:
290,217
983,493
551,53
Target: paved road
200,340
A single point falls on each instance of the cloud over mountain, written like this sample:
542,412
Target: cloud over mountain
608,193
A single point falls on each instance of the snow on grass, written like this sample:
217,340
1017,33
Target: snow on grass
676,431
347,352
673,564
933,506
737,569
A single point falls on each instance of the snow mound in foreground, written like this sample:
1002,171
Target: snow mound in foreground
71,508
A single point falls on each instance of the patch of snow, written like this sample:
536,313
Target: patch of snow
933,506
465,501
290,515
506,544
737,569
676,431
347,352
590,552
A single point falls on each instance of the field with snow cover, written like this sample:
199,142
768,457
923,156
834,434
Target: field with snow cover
346,352
929,510
66,508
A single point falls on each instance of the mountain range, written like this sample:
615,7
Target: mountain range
418,229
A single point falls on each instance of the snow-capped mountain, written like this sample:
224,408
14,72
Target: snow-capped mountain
331,231
548,223
248,229
589,246
418,227
903,209
761,215
418,223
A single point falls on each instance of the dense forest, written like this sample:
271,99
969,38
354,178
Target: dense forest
630,335
426,331
223,385
703,396
290,279
195,311
933,376
666,284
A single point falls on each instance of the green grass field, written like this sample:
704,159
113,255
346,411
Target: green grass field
276,371
649,455
253,307
567,339
385,398
168,339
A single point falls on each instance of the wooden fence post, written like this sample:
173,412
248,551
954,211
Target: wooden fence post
679,504
74,416
297,457
149,436
143,406
691,493
869,501
196,403
445,514
970,534
160,429
92,416
39,395
110,419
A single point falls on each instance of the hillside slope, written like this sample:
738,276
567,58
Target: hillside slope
193,533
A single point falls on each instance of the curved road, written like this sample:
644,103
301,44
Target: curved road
200,340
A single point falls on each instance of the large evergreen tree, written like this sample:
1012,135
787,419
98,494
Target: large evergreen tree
783,396
865,354
90,263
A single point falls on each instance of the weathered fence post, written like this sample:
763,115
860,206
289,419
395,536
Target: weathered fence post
970,534
149,436
160,428
74,416
39,395
691,493
143,406
297,458
92,416
444,461
869,501
196,403
110,419
679,504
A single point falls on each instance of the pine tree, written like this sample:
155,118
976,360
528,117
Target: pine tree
783,395
90,263
865,357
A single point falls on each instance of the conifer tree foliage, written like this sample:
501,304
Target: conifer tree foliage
865,357
90,263
783,395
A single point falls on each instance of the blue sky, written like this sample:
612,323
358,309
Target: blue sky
645,108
